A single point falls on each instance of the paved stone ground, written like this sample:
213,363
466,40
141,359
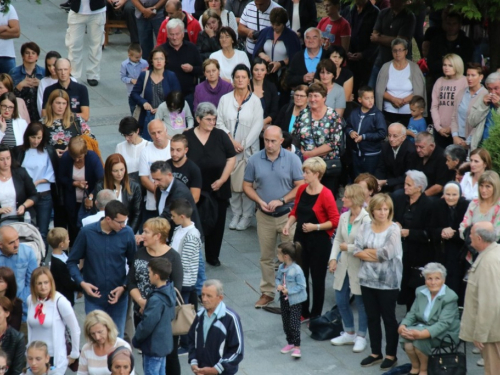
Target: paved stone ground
46,25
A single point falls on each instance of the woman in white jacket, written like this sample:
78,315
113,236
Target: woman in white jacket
346,268
49,312
12,127
240,115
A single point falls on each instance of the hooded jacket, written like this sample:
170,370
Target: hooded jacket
153,335
371,126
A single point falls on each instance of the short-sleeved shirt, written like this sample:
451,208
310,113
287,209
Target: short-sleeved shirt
334,30
189,173
402,24
7,45
274,179
78,95
211,158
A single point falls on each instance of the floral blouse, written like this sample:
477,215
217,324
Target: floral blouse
316,133
59,137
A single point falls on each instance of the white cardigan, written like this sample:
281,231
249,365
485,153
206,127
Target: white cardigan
19,126
54,337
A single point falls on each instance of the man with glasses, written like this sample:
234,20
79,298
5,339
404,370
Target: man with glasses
106,246
398,156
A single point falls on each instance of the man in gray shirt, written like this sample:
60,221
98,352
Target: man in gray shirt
272,177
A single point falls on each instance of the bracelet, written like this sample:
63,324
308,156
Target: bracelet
318,227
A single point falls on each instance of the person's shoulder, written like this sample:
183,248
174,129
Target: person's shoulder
192,165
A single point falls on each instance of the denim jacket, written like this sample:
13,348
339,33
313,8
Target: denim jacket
293,277
19,73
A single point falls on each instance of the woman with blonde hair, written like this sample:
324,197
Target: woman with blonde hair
102,339
317,216
49,313
60,123
443,95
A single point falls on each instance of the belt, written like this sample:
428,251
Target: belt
44,193
277,214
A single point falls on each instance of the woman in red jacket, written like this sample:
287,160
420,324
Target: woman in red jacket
317,216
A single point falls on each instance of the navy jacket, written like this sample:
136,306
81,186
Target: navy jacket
226,329
288,37
93,173
153,335
371,125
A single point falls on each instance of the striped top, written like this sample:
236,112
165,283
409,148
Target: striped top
9,138
188,244
92,364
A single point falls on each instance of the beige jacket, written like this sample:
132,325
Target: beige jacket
469,127
482,305
347,262
477,119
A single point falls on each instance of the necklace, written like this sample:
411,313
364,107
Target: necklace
5,178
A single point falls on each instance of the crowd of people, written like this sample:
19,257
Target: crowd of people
256,108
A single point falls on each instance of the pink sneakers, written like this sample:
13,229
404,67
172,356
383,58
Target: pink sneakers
296,353
287,349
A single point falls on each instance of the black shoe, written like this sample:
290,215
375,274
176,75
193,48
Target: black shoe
387,364
66,5
370,361
93,82
213,262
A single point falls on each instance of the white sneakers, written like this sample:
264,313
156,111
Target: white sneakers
348,339
234,222
244,223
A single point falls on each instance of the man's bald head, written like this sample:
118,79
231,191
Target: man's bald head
9,240
482,235
273,129
273,138
63,62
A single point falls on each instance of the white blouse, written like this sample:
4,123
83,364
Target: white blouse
131,153
8,196
227,65
399,85
469,191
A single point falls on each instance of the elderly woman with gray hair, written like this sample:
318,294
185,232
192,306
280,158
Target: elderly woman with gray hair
412,212
397,82
433,315
212,150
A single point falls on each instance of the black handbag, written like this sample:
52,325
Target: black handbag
327,326
447,359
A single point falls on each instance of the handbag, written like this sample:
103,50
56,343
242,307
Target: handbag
138,108
327,326
447,359
237,175
69,345
184,316
416,278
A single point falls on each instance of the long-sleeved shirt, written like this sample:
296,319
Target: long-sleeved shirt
444,95
105,256
130,71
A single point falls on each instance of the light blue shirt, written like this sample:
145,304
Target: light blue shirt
39,167
426,292
462,112
208,320
312,63
164,196
130,70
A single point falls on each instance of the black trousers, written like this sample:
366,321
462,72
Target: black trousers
316,248
290,315
380,303
213,240
396,117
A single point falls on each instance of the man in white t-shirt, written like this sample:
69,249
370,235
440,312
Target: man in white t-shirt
86,17
158,150
10,22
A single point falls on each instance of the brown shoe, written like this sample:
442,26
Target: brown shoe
264,300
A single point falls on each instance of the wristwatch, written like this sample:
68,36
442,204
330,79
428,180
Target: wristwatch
282,200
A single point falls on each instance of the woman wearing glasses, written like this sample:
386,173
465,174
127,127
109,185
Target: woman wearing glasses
288,114
12,344
398,81
12,127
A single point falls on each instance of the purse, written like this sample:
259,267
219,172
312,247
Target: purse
138,108
447,359
327,326
69,345
184,316
237,175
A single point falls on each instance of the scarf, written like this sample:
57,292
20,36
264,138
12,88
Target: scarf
39,314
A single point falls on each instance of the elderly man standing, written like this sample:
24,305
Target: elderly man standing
173,10
482,306
272,177
216,336
20,258
183,59
398,156
481,113
86,17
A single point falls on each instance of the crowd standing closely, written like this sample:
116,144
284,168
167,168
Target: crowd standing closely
260,107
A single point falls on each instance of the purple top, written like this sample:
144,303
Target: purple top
205,93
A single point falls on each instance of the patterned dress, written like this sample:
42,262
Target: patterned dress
58,136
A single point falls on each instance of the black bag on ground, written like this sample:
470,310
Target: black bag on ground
446,359
327,326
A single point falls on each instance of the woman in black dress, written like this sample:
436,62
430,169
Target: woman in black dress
212,150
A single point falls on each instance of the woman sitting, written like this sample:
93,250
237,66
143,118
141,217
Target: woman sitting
433,315
12,341
326,72
213,87
480,161
12,126
175,114
207,42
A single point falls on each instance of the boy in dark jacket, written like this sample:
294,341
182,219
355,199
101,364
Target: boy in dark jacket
367,128
153,335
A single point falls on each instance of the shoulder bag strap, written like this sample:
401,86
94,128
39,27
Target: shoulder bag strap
238,114
258,25
146,77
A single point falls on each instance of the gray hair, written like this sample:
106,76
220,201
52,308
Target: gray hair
399,41
456,152
205,109
493,77
418,178
401,126
315,29
218,285
434,268
103,198
174,23
487,235
425,135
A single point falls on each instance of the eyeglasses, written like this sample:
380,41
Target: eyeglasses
4,369
122,223
398,50
9,107
299,96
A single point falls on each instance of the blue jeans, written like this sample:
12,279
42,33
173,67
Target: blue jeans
117,312
364,164
43,214
342,297
202,277
372,82
154,365
7,64
148,32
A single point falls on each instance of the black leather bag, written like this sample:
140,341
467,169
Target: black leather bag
447,359
327,326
